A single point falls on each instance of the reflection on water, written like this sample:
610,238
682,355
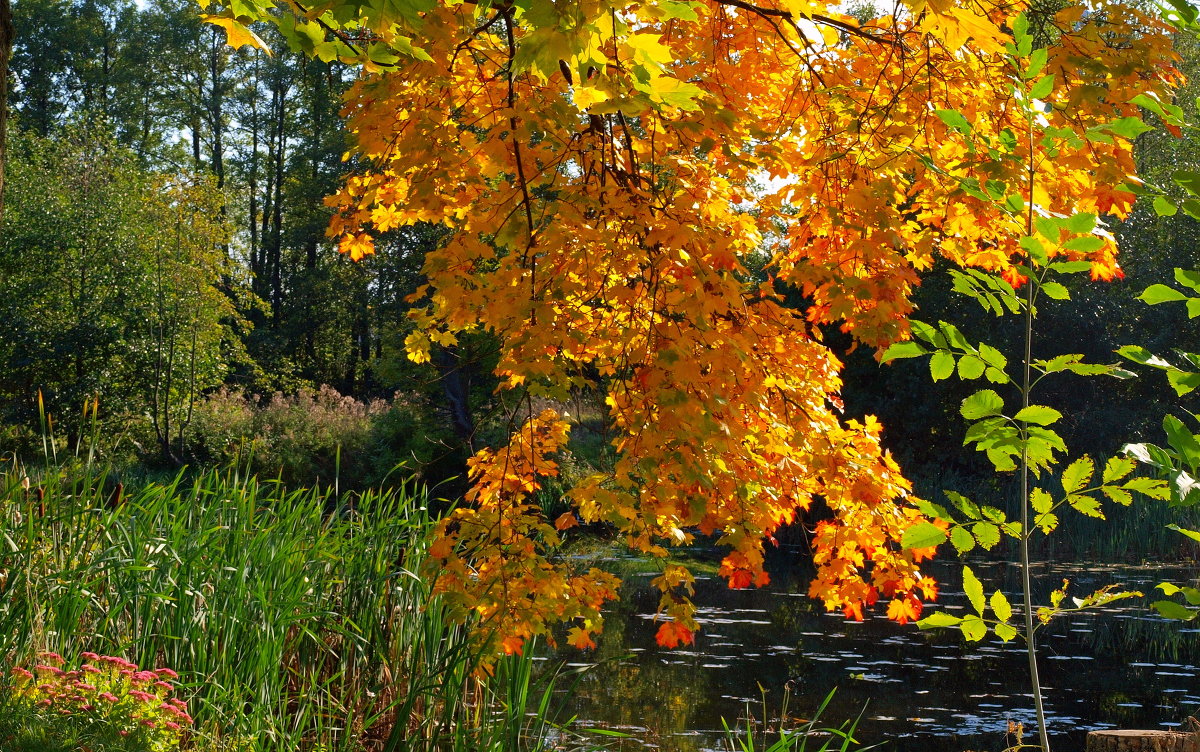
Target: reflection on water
1122,667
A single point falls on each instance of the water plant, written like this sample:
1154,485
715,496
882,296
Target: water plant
798,739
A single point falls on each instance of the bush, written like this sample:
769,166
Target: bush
107,704
311,438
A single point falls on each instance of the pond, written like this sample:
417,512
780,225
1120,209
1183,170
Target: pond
917,690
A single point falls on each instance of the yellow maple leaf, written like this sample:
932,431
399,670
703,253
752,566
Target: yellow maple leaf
237,34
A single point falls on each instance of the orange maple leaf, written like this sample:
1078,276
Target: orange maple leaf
580,638
671,633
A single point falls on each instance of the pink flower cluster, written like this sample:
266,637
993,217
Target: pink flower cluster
106,688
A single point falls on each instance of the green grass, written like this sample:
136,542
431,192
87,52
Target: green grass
295,623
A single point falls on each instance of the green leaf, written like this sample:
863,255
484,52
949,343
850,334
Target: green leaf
1003,460
1141,355
992,356
973,628
1193,534
1118,495
1128,127
1077,474
1036,250
982,404
1048,522
1169,113
924,331
974,590
1038,414
1079,224
1164,207
954,119
1037,61
1042,88
988,535
1188,278
969,508
1152,487
1086,505
1056,291
1173,610
1001,606
937,620
899,350
1189,181
1006,632
1191,594
953,336
1071,267
1155,294
929,509
1040,500
923,535
1117,468
941,365
971,367
1182,440
1084,244
1182,381
962,539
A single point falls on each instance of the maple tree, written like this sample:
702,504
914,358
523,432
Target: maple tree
616,172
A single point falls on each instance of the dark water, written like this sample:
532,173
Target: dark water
929,691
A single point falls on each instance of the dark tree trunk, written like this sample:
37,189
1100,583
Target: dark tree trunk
457,387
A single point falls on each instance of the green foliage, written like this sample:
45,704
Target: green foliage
108,283
315,437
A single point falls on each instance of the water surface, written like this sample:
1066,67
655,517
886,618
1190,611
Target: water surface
917,690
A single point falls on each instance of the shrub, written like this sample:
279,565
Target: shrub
310,438
107,704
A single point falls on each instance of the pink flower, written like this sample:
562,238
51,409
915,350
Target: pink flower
90,669
83,687
149,723
18,671
123,732
172,725
48,669
163,685
167,673
52,658
90,656
143,696
108,697
145,676
178,703
119,662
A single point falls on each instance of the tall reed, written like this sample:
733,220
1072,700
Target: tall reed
294,623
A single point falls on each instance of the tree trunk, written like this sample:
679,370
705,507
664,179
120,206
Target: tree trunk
1142,741
6,42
